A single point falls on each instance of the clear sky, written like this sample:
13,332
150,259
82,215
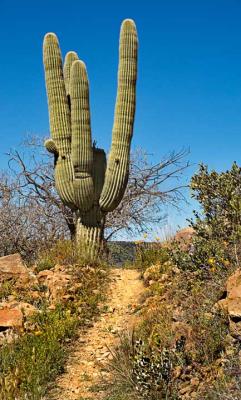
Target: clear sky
189,81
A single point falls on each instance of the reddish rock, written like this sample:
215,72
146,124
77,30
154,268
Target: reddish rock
234,281
12,266
26,308
184,234
11,318
43,275
232,303
57,283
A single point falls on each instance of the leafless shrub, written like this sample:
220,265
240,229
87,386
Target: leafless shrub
31,213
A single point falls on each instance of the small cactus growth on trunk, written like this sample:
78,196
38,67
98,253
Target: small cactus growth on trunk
84,181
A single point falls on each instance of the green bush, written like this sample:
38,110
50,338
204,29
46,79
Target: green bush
217,240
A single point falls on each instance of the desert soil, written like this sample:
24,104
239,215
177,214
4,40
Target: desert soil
86,367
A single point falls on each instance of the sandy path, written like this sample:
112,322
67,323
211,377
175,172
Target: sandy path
86,364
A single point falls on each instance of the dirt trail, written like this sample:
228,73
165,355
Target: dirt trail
86,365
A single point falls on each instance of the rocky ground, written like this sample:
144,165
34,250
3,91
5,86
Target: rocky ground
86,367
23,291
129,300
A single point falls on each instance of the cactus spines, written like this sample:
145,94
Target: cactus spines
83,181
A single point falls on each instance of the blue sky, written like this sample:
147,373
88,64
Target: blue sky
189,82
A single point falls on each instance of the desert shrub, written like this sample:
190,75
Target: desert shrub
6,288
144,371
64,252
209,334
25,225
181,336
220,197
216,243
228,384
149,253
205,255
120,253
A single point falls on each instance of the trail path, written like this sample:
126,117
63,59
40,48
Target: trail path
86,364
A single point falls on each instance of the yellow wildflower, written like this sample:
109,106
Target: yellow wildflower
226,263
211,261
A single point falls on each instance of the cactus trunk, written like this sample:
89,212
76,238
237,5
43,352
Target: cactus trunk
83,181
90,239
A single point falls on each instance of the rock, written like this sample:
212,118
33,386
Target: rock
234,281
176,270
177,372
76,287
57,283
163,278
11,318
184,234
232,303
27,309
34,294
11,297
43,275
185,389
195,381
12,266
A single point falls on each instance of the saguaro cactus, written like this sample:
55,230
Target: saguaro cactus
83,180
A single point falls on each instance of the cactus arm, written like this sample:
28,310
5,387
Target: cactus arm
70,57
118,163
51,147
59,116
59,112
81,144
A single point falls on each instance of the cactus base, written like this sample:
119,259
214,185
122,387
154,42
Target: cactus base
90,239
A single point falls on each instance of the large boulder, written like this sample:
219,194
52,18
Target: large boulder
11,318
12,266
26,308
231,303
184,234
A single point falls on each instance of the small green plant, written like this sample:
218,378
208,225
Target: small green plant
6,288
37,357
